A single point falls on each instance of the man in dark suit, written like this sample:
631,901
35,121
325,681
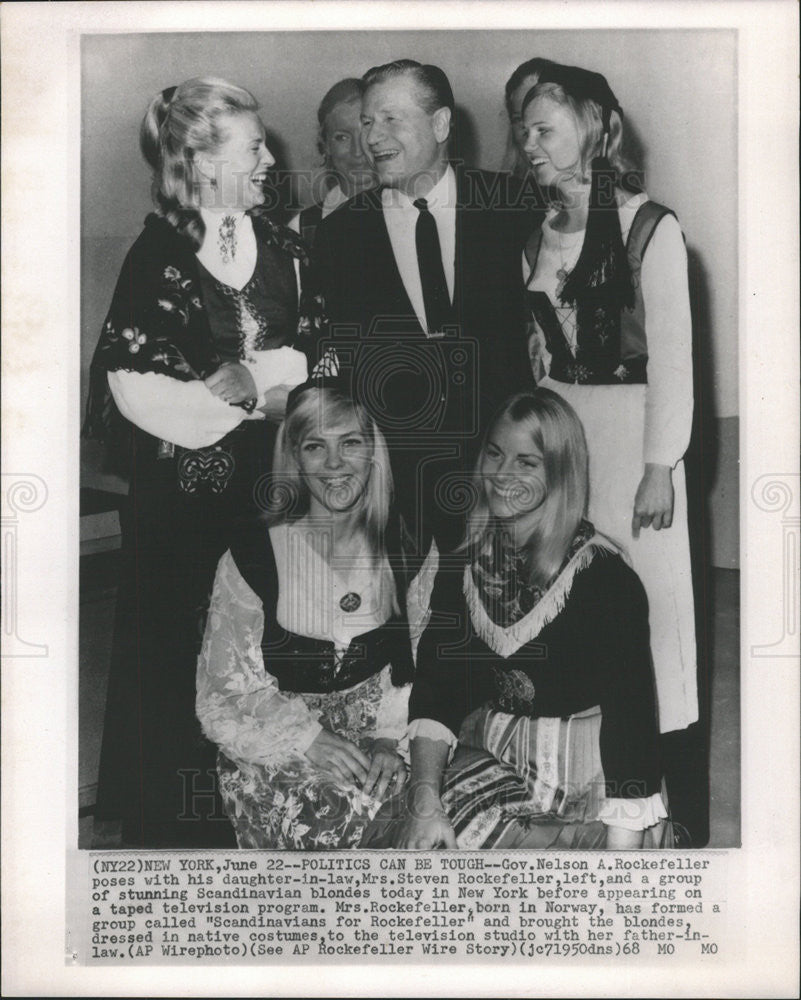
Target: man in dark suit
424,295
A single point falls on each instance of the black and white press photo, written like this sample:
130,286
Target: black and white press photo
409,469
400,498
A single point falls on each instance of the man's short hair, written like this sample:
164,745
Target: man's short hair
433,86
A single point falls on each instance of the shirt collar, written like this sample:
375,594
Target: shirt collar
441,196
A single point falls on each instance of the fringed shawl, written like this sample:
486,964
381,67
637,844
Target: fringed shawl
506,640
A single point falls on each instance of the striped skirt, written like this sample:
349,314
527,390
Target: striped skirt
527,783
531,783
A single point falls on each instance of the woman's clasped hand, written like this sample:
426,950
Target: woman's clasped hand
232,383
374,771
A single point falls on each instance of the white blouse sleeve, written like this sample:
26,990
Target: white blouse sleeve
185,413
669,395
392,712
633,814
282,366
239,704
430,729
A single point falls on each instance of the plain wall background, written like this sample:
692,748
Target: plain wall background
677,90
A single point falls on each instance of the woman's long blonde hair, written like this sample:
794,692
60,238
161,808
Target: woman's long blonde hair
289,494
557,433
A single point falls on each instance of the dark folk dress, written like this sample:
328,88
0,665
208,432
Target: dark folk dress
551,694
157,771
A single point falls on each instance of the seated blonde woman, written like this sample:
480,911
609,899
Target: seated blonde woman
537,658
305,673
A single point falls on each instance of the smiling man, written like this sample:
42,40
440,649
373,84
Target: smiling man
424,295
406,123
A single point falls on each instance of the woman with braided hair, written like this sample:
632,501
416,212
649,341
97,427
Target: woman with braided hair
188,383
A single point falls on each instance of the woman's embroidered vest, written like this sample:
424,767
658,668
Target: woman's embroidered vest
611,344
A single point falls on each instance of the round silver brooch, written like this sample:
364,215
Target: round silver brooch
350,602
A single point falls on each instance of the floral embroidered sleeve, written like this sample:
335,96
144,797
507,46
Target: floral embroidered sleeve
239,705
155,350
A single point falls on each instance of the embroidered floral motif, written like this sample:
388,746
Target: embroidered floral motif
621,372
173,276
176,294
282,237
135,338
161,352
577,373
174,305
604,327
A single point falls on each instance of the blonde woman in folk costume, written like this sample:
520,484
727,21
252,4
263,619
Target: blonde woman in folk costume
536,658
306,668
188,383
607,285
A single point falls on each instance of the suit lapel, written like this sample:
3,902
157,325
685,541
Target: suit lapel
462,236
385,277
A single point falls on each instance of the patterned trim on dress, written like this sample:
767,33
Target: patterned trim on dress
506,641
253,328
212,467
